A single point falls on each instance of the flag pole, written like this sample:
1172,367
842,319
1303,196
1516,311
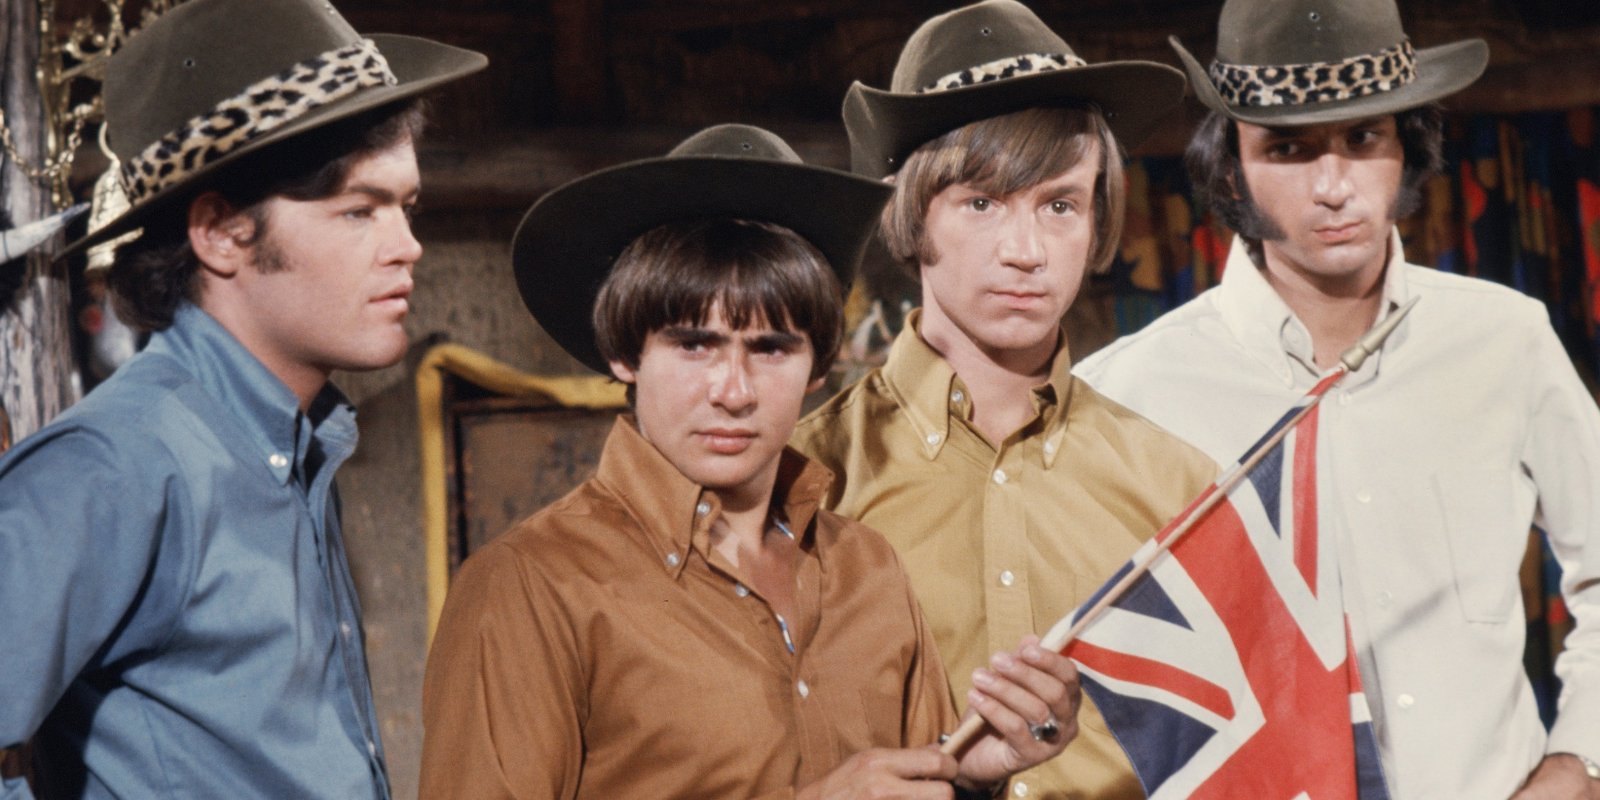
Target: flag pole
1067,629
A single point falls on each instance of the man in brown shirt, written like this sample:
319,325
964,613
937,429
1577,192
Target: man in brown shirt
1010,489
688,623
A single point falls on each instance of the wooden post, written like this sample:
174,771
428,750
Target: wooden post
36,364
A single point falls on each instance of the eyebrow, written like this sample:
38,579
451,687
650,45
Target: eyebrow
380,194
685,334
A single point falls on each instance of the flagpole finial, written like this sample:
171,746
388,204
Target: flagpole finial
1372,342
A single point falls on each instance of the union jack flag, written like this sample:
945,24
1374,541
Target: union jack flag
1227,670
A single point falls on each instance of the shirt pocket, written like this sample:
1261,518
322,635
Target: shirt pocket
1486,540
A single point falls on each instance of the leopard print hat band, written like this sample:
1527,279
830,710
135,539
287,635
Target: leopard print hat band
1004,68
1260,86
261,107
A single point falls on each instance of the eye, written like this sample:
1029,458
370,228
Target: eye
1364,136
411,210
1285,149
359,213
980,204
1061,207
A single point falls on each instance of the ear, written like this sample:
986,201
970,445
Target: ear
221,235
889,179
816,384
623,372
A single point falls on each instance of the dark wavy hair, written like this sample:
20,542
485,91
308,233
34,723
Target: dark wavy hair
759,272
151,275
1212,159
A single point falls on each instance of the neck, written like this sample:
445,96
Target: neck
999,381
1336,310
304,380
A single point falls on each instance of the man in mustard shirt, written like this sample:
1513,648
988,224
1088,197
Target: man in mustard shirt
1010,489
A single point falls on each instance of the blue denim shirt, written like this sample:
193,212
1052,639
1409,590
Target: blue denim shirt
179,615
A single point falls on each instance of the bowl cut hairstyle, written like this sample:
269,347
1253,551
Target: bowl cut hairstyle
758,272
1001,156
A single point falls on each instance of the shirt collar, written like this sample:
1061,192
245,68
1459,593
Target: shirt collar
675,513
1262,323
264,405
926,387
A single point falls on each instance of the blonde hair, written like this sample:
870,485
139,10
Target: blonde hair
1000,156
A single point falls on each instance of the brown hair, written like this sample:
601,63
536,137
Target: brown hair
757,271
1212,159
1003,155
152,274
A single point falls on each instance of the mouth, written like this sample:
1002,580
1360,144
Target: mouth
397,299
1018,299
1338,233
727,441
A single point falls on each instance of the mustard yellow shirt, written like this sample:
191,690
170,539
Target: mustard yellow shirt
1003,541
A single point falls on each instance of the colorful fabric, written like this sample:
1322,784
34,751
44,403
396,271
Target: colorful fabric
1231,657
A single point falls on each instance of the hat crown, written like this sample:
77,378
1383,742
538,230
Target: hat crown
1264,32
971,36
733,140
203,52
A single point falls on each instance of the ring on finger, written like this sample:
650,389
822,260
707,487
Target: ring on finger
1047,731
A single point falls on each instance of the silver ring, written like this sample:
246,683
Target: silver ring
1046,731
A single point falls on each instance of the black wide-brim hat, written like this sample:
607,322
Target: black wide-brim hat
1309,62
570,239
990,59
213,81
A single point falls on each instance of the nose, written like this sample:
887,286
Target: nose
1020,245
403,246
730,387
1331,186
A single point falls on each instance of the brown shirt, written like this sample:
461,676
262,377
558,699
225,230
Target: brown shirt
602,649
1003,541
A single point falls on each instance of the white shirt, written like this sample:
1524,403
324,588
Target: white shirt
1469,426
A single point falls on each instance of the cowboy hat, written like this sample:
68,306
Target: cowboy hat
1305,62
569,240
214,80
989,59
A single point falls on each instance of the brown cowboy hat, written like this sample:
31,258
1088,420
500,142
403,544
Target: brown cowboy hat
213,80
990,59
1305,62
570,239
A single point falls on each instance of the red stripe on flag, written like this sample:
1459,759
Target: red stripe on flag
1305,494
1125,667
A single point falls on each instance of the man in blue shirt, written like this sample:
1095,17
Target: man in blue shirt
181,615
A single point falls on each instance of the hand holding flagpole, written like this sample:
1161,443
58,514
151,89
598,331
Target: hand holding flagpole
1065,631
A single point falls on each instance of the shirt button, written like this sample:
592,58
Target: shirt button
672,559
933,438
372,748
739,589
278,460
1006,578
956,396
344,628
805,691
702,509
1019,789
1405,701
999,476
1363,496
1049,448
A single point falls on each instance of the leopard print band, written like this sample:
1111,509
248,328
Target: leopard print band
261,107
1315,82
1002,69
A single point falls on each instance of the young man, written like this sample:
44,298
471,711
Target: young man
1469,427
181,617
688,623
1011,490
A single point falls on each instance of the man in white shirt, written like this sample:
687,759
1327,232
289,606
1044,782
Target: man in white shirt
1470,426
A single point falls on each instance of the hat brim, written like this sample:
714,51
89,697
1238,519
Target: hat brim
1441,71
418,65
570,239
885,127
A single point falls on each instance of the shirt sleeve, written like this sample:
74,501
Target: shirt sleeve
503,695
80,525
1562,457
